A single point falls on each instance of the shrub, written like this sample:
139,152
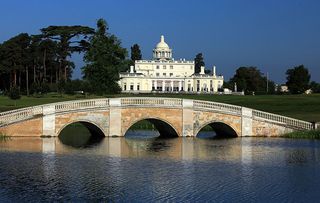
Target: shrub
61,86
14,93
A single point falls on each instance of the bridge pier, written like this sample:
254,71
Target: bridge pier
49,120
187,118
115,117
246,122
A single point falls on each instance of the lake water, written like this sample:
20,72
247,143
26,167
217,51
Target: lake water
160,170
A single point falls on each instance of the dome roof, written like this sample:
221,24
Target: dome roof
162,44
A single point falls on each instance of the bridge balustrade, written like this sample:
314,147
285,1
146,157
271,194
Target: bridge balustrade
78,105
156,102
20,114
295,123
217,107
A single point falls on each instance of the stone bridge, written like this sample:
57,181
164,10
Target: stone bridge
171,117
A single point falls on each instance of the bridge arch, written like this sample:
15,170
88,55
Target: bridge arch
165,128
221,129
84,135
91,126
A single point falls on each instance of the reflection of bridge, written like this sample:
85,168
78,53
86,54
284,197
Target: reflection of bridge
177,117
187,148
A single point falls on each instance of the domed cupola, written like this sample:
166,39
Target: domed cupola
162,50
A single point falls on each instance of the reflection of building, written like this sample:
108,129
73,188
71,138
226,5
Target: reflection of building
165,74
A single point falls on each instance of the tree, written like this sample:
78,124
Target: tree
48,51
198,62
70,39
15,58
315,87
298,79
250,79
14,94
104,58
135,53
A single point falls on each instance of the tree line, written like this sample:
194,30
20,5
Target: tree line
251,80
42,62
43,59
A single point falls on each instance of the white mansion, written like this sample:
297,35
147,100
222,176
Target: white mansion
164,74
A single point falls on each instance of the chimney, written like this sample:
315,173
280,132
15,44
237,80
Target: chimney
202,70
214,71
131,69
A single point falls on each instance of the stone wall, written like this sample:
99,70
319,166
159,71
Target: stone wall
27,128
261,128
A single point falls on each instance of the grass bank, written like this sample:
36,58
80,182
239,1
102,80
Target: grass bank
310,134
304,107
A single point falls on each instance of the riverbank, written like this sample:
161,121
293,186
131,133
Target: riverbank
304,107
309,134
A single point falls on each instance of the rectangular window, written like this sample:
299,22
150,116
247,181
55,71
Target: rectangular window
157,74
164,74
171,67
157,67
171,74
138,86
164,66
131,87
124,86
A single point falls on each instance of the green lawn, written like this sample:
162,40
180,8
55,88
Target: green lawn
305,107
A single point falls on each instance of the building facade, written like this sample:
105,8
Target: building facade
164,74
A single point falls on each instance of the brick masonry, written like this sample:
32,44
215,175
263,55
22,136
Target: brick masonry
260,128
28,128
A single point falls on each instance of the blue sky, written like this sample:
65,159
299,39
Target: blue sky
273,35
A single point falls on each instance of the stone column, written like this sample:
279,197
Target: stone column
155,84
163,85
187,117
171,85
115,117
246,122
180,85
49,120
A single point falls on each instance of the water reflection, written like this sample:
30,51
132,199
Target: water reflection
148,170
178,148
246,150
